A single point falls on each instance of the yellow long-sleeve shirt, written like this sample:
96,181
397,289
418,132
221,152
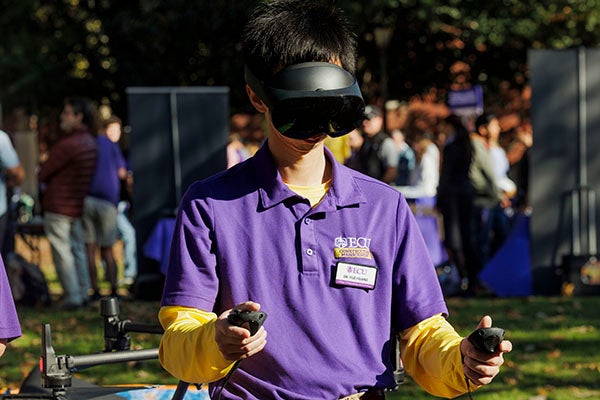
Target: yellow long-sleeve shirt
430,351
188,349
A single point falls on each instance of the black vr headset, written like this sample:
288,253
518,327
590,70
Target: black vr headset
311,99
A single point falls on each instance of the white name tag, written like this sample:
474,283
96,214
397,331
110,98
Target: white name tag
355,275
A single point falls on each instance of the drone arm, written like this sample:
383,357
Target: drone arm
75,363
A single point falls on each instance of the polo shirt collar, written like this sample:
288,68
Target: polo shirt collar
344,190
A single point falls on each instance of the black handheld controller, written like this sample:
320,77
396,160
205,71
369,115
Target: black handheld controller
254,319
487,339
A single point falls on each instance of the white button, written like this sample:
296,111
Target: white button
307,221
309,252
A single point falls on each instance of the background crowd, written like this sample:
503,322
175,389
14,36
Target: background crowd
469,171
84,192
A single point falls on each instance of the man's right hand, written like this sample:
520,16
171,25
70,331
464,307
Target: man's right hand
235,342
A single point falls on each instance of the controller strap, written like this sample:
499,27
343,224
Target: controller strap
226,379
468,387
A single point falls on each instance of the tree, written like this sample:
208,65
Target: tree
429,36
54,48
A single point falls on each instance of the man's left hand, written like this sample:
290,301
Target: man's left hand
480,367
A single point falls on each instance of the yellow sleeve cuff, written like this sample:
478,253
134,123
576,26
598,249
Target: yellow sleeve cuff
431,355
188,349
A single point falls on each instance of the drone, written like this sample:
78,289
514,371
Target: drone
54,379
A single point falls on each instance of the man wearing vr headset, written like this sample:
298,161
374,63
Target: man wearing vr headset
334,257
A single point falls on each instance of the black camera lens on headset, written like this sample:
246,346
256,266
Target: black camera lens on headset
311,98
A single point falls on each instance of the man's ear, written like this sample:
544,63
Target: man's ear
255,100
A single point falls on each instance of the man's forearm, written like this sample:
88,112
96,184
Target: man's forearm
431,355
188,349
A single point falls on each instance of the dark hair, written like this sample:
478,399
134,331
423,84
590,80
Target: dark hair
457,124
484,120
462,138
285,32
85,107
113,119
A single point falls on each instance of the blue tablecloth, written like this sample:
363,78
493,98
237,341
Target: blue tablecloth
427,219
158,244
508,273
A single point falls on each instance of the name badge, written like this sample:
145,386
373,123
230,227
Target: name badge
355,275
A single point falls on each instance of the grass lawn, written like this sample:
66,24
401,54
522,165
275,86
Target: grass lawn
556,346
556,343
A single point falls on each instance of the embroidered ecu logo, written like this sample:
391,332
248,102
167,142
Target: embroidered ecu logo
352,247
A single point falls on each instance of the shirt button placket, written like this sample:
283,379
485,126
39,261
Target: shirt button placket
309,260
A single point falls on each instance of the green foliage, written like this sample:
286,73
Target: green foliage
51,49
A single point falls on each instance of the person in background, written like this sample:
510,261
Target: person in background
518,153
455,196
65,179
10,328
501,214
11,175
315,235
396,113
487,196
126,230
100,210
236,150
355,141
378,156
424,177
406,158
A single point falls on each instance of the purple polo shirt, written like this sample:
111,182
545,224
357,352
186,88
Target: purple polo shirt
105,184
9,321
244,235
